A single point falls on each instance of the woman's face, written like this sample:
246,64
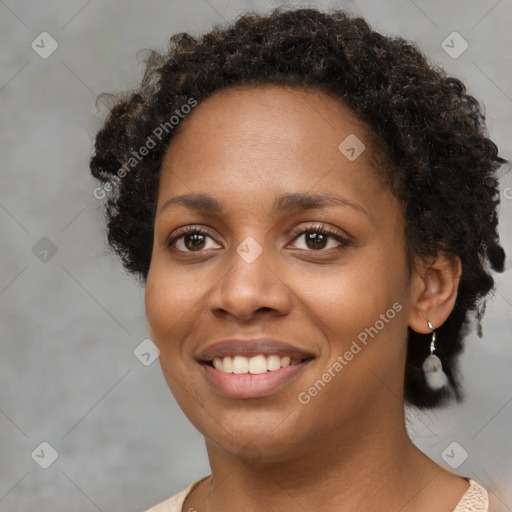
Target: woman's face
298,252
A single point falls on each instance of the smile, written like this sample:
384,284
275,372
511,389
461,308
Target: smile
253,365
247,378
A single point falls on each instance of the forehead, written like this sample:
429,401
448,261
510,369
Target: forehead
269,139
277,113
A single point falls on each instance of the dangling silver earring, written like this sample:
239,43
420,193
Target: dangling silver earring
432,366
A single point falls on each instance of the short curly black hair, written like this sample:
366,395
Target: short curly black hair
432,134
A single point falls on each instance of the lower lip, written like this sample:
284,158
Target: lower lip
253,386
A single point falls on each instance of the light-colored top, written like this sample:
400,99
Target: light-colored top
475,499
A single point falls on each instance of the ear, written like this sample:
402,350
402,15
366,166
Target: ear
434,287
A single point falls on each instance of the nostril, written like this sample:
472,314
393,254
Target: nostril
264,308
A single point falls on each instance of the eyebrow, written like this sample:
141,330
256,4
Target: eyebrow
285,203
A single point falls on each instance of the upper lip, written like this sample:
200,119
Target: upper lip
252,347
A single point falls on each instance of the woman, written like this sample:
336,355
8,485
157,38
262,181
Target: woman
311,208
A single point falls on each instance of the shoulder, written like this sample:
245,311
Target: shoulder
174,503
476,499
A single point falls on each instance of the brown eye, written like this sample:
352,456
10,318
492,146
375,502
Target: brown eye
319,238
191,240
194,241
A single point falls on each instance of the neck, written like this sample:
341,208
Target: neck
356,467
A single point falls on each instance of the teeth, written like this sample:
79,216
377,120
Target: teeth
253,365
240,364
257,365
227,364
273,363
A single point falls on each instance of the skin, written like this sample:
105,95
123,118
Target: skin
347,449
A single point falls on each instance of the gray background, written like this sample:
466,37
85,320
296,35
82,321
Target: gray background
70,325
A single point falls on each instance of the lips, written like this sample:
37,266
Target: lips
251,348
241,382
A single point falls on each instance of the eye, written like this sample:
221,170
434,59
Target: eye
190,239
317,238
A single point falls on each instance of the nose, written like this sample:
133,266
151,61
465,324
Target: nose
249,288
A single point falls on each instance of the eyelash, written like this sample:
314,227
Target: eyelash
317,228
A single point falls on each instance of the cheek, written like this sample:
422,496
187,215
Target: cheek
170,303
353,296
174,305
169,300
359,308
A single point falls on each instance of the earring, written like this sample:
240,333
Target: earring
432,366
